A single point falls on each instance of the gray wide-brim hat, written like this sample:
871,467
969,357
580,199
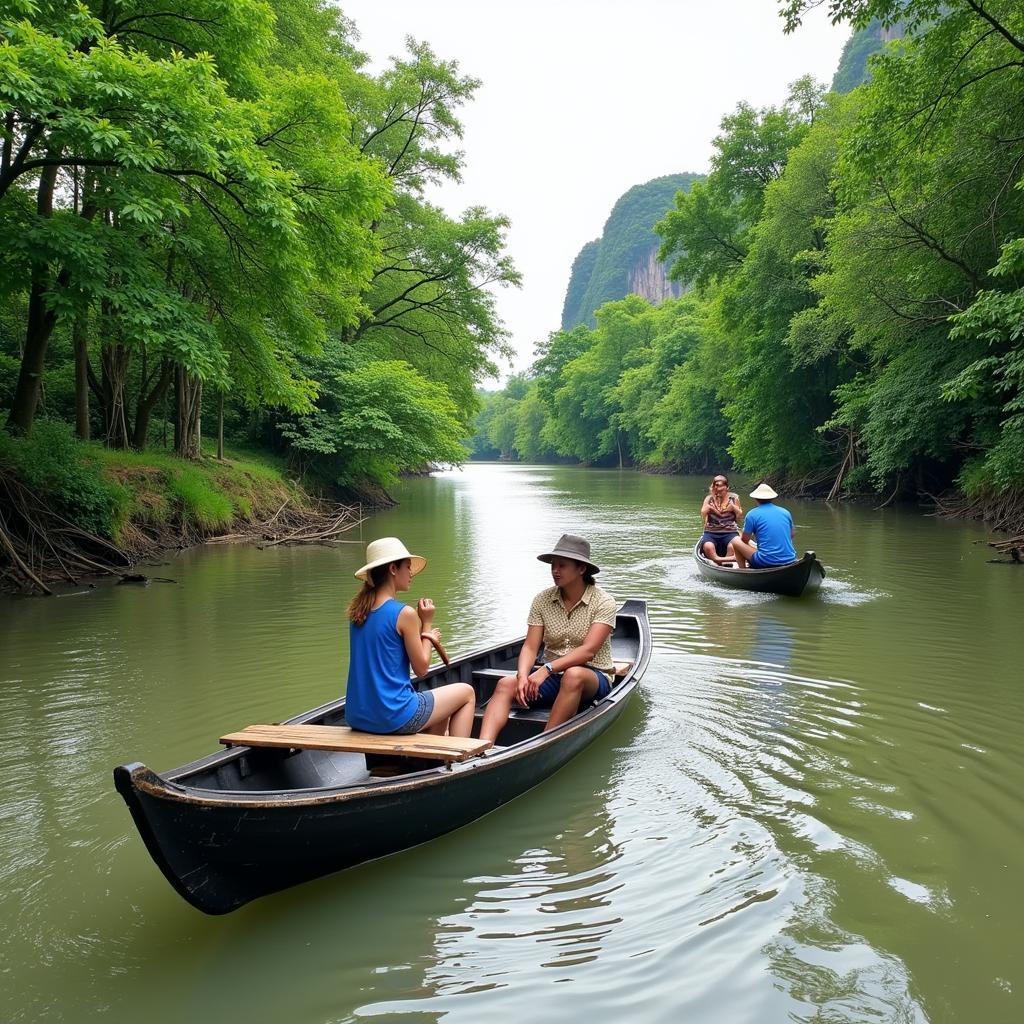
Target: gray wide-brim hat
571,546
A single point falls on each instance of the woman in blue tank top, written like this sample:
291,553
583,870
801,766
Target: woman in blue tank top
386,640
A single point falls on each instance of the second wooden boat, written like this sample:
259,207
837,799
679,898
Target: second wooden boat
800,577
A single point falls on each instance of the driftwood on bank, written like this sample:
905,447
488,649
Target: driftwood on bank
1014,547
40,547
318,522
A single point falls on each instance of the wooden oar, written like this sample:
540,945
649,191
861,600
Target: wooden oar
438,646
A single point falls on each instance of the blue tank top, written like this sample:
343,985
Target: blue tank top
379,696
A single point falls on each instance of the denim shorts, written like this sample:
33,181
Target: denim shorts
720,540
757,562
421,716
549,688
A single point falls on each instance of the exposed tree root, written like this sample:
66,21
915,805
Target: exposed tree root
1004,514
40,547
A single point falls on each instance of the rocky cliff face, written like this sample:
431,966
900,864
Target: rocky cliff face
860,47
647,278
624,259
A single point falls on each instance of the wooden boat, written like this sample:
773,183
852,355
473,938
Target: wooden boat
800,577
247,821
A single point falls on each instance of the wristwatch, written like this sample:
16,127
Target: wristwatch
551,671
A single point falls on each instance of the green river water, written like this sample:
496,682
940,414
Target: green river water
811,812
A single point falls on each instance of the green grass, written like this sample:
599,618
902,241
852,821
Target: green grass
105,490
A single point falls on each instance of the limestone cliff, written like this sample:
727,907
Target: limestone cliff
859,49
648,279
624,260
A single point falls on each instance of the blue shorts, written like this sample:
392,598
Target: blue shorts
720,540
420,717
549,688
756,562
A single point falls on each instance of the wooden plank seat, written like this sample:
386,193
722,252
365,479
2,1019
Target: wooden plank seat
341,737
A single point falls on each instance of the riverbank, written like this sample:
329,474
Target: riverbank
72,509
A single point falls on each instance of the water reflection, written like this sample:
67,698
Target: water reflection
548,909
773,641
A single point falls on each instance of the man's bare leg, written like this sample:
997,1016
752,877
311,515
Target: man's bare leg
741,552
578,684
498,707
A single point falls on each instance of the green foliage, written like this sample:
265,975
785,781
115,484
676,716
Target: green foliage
222,192
996,317
707,234
58,467
375,420
858,264
582,271
853,63
480,446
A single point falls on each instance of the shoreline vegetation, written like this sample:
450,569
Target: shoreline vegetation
72,512
218,227
226,224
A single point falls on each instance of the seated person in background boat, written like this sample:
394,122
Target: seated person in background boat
772,527
386,638
573,622
720,512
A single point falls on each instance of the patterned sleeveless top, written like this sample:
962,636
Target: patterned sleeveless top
721,522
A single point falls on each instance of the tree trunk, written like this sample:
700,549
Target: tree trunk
147,403
188,391
8,143
81,378
39,324
115,359
220,427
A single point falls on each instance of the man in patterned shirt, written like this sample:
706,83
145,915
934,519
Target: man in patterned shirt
573,621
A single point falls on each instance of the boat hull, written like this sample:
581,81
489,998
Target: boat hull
222,848
793,580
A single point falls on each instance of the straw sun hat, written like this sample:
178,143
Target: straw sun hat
764,492
385,551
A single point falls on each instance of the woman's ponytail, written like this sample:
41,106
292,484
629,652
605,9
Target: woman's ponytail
362,604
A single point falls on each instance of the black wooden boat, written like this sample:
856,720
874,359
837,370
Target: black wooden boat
248,821
800,577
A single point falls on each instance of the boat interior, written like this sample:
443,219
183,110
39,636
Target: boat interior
265,769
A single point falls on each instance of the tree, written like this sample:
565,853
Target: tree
375,419
430,299
707,235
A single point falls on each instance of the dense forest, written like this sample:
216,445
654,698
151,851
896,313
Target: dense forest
855,318
216,225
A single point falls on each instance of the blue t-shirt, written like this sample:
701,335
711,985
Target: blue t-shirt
379,697
772,528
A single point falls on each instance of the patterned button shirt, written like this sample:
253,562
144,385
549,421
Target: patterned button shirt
565,631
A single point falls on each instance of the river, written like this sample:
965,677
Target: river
813,810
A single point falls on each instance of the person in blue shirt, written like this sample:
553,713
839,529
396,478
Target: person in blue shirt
772,527
386,640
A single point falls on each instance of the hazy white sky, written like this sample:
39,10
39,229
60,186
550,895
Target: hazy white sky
581,99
